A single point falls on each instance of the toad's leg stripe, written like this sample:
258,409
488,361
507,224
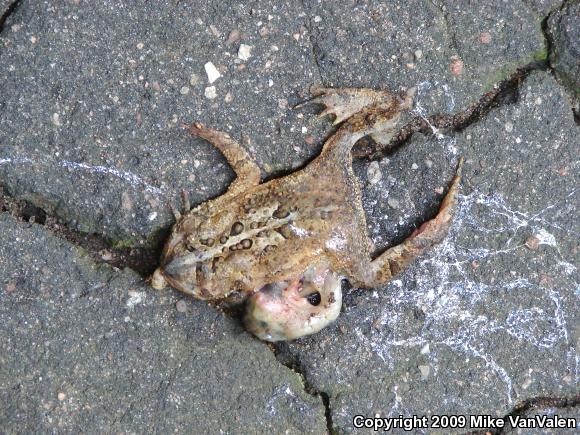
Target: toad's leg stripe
247,172
430,233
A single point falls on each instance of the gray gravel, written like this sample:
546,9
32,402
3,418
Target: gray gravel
92,95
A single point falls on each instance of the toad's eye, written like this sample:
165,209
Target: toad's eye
314,298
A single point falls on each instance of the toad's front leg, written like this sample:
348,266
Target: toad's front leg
430,233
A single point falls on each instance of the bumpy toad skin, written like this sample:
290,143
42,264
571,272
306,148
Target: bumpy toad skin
271,236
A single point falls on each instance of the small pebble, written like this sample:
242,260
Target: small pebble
418,54
184,90
485,37
210,92
532,242
244,52
213,29
181,306
61,396
229,98
212,73
233,37
393,202
56,119
509,127
106,255
425,370
140,46
456,67
193,79
374,173
414,166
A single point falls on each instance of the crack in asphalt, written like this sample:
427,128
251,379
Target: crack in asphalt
532,404
144,260
549,49
9,11
453,44
314,47
292,361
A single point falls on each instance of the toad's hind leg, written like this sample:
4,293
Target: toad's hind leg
247,172
362,112
384,267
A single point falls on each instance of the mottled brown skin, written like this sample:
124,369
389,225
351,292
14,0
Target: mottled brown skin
260,234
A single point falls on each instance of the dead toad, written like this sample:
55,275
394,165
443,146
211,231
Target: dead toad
289,242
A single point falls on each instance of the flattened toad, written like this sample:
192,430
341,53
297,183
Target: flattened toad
287,243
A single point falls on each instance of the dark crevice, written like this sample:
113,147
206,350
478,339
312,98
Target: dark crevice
285,357
548,38
315,48
100,249
533,404
9,11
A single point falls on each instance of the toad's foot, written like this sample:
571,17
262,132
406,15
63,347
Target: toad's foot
426,236
345,102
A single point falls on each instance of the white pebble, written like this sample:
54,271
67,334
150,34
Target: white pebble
212,73
374,174
245,51
56,119
210,92
509,127
184,90
393,203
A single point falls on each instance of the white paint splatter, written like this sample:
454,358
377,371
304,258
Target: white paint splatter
128,177
545,238
447,294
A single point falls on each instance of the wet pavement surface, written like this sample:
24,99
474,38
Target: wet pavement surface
92,97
